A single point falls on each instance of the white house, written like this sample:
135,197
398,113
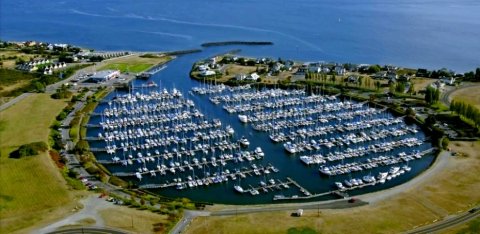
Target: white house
203,67
448,80
340,70
254,76
207,73
241,77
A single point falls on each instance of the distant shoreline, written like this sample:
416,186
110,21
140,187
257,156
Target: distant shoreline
223,43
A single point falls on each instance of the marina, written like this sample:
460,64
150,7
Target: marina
253,145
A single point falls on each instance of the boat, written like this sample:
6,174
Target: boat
229,130
238,188
244,142
259,151
243,118
289,147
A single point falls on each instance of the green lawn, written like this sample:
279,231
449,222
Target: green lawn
127,67
31,187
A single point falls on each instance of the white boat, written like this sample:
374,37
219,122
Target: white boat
243,118
244,142
230,130
259,151
289,147
238,188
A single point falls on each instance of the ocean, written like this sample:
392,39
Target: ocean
427,34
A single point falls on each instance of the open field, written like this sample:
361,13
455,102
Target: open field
10,63
471,227
122,217
133,63
32,187
469,95
455,190
422,83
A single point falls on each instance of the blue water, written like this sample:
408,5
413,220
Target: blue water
430,34
176,75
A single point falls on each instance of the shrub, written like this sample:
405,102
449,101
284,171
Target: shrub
29,149
445,143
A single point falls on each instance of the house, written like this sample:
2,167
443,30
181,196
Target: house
339,70
404,78
315,69
289,65
240,77
254,77
48,71
448,80
277,67
392,76
203,67
207,73
212,60
380,75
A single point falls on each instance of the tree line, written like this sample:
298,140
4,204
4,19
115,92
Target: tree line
432,95
466,110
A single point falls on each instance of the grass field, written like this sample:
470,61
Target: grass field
31,188
422,83
470,227
131,219
133,63
454,190
10,63
469,95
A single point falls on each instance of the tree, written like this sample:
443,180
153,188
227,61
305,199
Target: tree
377,85
333,78
432,95
411,90
374,69
410,112
445,143
392,87
400,87
477,74
430,120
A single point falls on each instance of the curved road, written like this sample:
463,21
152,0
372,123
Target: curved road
446,96
88,230
473,213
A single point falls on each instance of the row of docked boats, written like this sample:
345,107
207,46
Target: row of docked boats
162,135
369,180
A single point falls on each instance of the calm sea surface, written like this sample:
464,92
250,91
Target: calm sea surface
430,33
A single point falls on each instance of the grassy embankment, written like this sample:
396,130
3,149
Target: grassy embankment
470,95
32,187
455,190
134,63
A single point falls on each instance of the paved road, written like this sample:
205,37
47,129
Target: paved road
447,223
445,97
90,210
13,101
189,215
88,230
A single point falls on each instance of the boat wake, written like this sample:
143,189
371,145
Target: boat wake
214,25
